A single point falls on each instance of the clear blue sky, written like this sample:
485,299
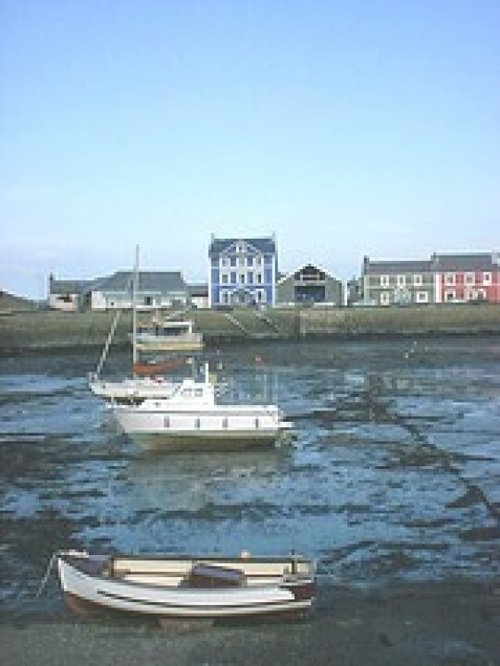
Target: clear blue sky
347,128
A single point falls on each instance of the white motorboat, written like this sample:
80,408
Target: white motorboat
191,418
189,587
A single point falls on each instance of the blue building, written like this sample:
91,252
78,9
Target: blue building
242,271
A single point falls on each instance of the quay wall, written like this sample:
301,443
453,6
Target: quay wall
45,330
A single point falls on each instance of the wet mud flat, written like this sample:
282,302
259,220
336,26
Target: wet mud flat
443,623
391,483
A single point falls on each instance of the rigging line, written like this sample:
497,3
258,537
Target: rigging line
108,343
111,333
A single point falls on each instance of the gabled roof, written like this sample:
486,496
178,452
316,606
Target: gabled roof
283,277
388,267
264,245
482,261
162,281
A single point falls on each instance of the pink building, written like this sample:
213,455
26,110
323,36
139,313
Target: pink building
466,277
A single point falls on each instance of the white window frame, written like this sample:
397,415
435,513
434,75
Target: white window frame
384,280
401,280
469,278
422,297
418,280
487,278
385,298
450,295
449,279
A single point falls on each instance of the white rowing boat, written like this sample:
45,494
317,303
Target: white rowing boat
189,587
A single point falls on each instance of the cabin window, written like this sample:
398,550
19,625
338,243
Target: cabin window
197,424
187,393
198,393
257,424
225,423
166,422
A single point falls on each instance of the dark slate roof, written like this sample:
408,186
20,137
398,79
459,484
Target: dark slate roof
163,281
68,286
483,261
388,267
264,245
198,289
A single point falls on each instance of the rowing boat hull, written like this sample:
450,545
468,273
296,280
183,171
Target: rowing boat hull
276,599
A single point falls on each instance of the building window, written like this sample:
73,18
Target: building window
225,297
486,278
233,277
250,277
258,261
249,261
401,280
449,295
385,298
242,278
422,297
449,279
225,278
470,278
233,261
259,278
384,280
418,280
481,295
224,262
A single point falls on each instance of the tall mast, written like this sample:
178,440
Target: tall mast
135,287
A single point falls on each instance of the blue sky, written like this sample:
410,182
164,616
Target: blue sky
346,128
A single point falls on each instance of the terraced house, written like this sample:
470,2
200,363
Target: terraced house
444,278
242,271
397,282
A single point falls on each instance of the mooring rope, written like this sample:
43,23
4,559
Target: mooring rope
48,571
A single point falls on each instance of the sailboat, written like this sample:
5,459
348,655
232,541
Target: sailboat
147,380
